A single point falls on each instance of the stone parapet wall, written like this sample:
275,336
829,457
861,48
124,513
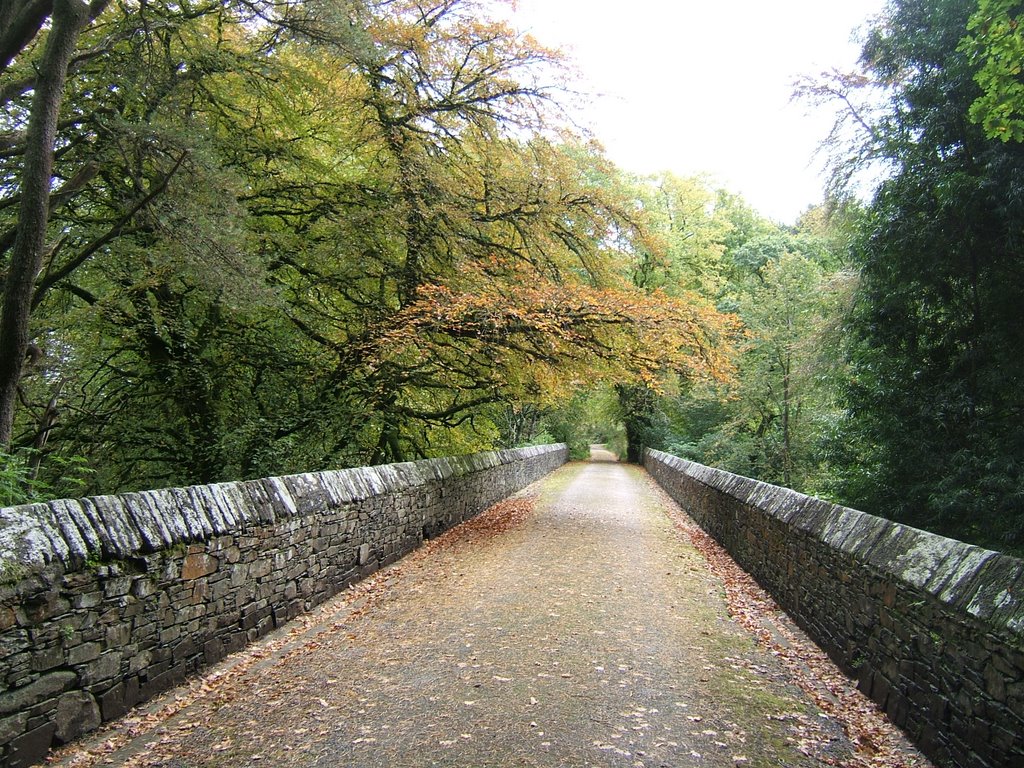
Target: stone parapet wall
932,628
106,601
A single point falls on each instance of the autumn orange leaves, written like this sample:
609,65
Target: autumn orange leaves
556,335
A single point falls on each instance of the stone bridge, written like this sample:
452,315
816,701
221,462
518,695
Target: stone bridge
574,624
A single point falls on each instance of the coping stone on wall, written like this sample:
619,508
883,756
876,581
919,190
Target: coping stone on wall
198,512
236,507
399,477
961,574
31,534
993,595
852,533
52,554
75,529
282,502
961,606
360,485
117,527
122,537
442,469
307,493
981,582
155,529
254,496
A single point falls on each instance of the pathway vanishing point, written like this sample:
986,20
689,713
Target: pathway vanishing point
572,626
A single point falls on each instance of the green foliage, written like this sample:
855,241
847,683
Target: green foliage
644,421
294,235
791,292
21,483
586,417
16,485
996,45
935,435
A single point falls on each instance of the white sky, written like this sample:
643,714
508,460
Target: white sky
704,87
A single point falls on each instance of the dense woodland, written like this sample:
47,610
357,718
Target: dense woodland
251,237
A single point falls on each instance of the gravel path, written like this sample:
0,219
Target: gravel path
574,626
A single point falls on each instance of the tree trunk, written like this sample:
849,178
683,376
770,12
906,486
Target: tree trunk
69,18
787,455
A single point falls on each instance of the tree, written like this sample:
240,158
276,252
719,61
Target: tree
790,291
283,220
935,400
678,253
25,20
160,118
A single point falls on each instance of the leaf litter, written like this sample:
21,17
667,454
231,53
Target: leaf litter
380,674
878,742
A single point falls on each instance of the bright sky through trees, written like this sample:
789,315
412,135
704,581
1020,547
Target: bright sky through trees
696,87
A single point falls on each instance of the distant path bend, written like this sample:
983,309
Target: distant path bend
587,633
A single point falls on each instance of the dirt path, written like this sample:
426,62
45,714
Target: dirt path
580,629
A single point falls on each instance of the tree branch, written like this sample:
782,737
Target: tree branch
52,278
22,26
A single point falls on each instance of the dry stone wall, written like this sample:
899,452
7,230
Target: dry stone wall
932,628
106,601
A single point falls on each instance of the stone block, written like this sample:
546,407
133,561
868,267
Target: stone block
140,661
260,568
995,683
161,682
80,654
31,747
117,635
106,667
143,586
183,650
87,600
44,687
213,651
169,635
77,713
7,618
234,642
47,658
111,702
42,606
197,565
117,586
12,727
200,591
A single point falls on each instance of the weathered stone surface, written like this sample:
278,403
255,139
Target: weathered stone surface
931,628
119,536
77,713
43,688
12,726
26,537
189,575
31,747
84,652
48,658
197,565
151,522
